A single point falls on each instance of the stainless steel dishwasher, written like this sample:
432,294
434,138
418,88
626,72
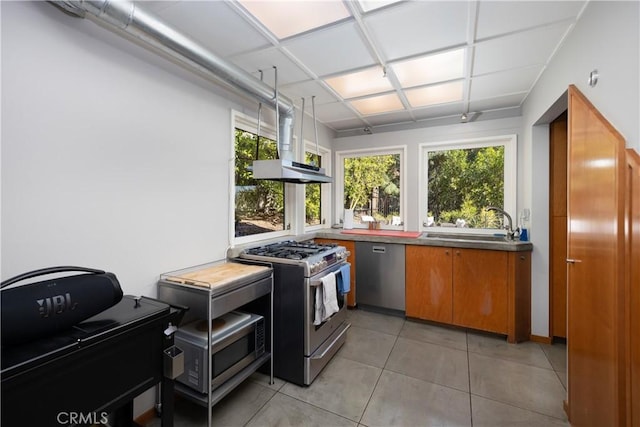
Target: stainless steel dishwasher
380,275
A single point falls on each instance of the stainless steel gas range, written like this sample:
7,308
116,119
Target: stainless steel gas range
302,349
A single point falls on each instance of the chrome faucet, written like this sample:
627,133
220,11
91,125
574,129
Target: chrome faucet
511,233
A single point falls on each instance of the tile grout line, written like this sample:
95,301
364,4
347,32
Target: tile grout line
519,407
381,372
315,406
265,403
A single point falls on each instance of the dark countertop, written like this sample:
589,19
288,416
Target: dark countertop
515,246
336,234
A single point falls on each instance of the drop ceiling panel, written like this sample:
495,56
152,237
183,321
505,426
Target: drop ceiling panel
349,124
214,25
504,83
382,119
454,108
508,43
331,50
413,28
498,102
308,89
265,60
518,50
501,17
334,112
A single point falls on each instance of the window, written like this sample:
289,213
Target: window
259,205
370,183
462,178
313,194
317,196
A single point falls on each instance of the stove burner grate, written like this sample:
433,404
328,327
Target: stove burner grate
290,250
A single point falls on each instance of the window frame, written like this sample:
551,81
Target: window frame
510,143
250,124
340,156
325,189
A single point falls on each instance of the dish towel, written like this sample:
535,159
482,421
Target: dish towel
326,300
344,279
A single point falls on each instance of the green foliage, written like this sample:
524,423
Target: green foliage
256,199
372,180
462,182
313,198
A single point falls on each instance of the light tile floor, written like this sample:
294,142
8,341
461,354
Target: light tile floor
396,372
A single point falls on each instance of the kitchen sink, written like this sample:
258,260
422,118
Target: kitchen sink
465,237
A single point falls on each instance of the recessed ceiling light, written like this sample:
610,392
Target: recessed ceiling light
369,5
361,83
430,69
287,18
378,104
437,94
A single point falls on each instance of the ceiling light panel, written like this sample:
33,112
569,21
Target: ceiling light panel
287,18
361,83
437,94
430,69
378,104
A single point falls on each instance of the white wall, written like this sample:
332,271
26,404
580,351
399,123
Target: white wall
107,161
605,38
112,157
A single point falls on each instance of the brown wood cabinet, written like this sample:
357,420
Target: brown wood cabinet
480,289
351,247
429,283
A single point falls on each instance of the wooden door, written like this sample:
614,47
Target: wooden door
428,283
632,284
480,295
558,226
595,250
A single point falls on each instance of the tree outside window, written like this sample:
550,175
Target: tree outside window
372,187
313,194
259,204
462,183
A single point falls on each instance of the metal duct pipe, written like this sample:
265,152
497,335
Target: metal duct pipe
151,31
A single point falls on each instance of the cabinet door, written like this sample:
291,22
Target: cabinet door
428,272
519,291
480,296
351,247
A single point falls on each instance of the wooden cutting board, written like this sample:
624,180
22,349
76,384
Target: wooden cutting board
384,233
219,275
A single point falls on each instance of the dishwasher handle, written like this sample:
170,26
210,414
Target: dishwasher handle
379,249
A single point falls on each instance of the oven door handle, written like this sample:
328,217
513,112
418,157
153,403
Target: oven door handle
330,346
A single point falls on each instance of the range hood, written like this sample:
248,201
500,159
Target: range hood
150,31
289,171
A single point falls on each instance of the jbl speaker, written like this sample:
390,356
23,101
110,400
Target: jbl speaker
35,310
